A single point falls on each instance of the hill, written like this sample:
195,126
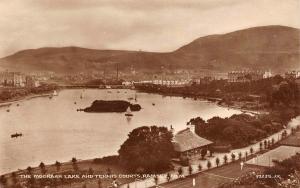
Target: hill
269,47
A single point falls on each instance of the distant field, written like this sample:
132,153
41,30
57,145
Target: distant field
280,153
293,140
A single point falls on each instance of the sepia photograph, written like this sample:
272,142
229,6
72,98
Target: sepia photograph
150,94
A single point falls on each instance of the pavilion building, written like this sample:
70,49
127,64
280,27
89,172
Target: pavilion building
188,144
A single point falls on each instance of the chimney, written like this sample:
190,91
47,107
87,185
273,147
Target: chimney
192,128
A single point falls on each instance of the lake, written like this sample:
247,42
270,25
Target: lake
54,130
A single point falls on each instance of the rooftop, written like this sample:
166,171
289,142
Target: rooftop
187,140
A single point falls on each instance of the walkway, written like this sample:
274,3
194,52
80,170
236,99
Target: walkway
162,179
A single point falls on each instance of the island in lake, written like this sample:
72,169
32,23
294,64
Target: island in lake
112,106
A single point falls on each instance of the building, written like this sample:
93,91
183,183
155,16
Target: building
292,74
32,82
12,79
247,76
187,143
203,80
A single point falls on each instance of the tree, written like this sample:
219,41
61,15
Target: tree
156,179
284,134
251,150
190,170
42,167
272,141
58,165
29,169
150,147
203,153
74,160
74,164
246,154
225,158
168,177
180,171
232,157
208,164
217,161
260,146
265,144
199,167
240,155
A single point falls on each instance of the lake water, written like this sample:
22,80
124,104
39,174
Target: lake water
54,130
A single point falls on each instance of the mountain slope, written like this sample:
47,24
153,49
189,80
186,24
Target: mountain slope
270,47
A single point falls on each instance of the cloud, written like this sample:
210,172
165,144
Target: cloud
151,25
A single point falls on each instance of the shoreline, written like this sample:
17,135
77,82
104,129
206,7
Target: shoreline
90,159
212,100
23,98
85,164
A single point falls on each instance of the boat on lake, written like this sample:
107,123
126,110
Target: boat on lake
55,93
16,135
128,112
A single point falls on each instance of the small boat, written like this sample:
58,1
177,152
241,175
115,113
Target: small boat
18,104
81,96
128,112
8,110
75,102
130,98
135,97
50,97
16,135
108,91
55,93
153,104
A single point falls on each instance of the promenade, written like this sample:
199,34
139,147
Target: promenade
150,182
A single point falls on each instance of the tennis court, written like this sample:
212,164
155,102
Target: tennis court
280,153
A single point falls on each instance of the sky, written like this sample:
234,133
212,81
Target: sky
148,25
